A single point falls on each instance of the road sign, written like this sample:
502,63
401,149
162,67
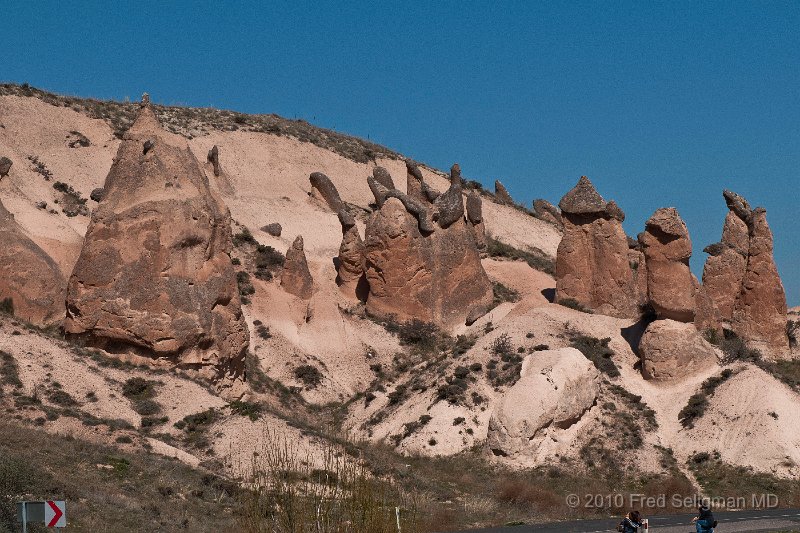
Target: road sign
55,514
51,513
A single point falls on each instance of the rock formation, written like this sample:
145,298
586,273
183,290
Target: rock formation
323,188
382,176
475,219
759,316
416,269
274,229
296,278
671,350
555,389
5,166
667,249
416,188
30,280
213,158
725,266
546,211
154,277
351,260
592,260
97,194
501,194
742,281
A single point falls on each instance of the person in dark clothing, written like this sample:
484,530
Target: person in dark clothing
631,523
704,521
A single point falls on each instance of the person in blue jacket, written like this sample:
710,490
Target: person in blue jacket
704,521
631,523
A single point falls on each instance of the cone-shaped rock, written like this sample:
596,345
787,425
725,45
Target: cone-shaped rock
213,158
592,260
501,194
382,176
296,278
667,249
449,206
350,264
475,218
416,188
434,277
29,279
154,276
759,315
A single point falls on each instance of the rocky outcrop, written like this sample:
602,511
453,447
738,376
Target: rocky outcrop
667,249
154,277
501,194
416,188
555,389
671,350
213,158
741,280
724,269
431,273
97,194
5,166
296,278
351,260
759,316
449,206
323,188
544,210
30,281
475,219
382,176
592,265
274,229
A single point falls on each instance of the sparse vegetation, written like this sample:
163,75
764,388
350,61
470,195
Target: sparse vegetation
309,375
536,259
736,350
598,352
698,402
720,479
503,294
9,373
7,306
572,303
246,288
250,410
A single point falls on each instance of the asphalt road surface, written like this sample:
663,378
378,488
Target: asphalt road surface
751,521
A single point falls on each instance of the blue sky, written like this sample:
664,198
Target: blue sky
659,103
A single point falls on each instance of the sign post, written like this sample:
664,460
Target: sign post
52,513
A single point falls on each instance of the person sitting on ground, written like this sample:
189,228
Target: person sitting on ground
704,521
631,523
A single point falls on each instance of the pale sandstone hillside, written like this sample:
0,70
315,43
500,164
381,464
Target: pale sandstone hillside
265,179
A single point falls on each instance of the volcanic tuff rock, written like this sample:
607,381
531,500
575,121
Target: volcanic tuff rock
97,194
667,249
759,315
449,206
414,207
546,211
324,189
742,281
274,229
416,188
433,276
382,176
28,276
555,389
670,350
351,260
154,276
5,166
213,158
475,219
296,278
592,259
725,266
501,194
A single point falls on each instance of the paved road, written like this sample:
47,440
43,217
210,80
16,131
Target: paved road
750,521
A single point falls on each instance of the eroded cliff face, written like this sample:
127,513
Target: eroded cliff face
154,276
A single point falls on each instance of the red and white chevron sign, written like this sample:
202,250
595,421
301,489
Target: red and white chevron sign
55,514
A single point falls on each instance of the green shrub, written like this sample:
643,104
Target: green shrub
503,293
598,352
249,409
146,407
536,259
309,375
7,306
244,237
9,373
572,303
138,388
698,402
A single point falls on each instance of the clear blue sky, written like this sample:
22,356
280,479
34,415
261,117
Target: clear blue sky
659,103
